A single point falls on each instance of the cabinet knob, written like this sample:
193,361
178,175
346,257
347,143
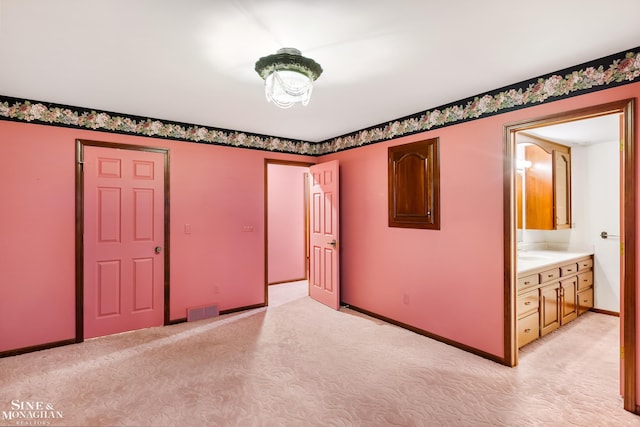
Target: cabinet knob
526,331
527,303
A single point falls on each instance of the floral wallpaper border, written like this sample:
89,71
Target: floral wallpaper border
17,109
613,70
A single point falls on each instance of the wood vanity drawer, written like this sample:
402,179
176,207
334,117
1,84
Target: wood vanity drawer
549,275
527,303
585,300
528,329
585,264
585,280
569,269
531,280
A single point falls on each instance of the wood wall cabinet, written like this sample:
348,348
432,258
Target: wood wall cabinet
414,185
552,296
545,192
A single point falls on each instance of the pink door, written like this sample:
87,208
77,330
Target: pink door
123,240
324,261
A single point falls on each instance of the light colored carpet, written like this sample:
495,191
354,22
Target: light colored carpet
299,363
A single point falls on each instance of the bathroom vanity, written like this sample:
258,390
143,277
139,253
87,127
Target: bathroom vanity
553,288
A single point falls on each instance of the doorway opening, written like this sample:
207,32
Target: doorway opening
286,222
627,191
321,201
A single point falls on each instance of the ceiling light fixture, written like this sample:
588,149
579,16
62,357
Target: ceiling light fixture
288,77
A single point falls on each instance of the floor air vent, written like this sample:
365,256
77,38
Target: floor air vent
202,312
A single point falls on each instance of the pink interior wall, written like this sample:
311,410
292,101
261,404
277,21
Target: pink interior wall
447,282
216,190
37,270
451,279
286,245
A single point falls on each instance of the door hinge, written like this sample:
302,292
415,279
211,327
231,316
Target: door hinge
621,248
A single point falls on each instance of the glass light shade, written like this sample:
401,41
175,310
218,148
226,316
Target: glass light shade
286,88
288,77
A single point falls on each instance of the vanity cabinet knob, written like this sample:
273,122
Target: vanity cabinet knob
526,283
526,331
527,303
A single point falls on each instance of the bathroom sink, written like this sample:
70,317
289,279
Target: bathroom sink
533,257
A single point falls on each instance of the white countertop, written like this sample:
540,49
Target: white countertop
534,259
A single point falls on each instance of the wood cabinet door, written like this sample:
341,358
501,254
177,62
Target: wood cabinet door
546,195
569,301
562,189
549,310
538,189
414,185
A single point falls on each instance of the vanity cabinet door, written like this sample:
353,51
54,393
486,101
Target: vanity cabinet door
549,310
568,300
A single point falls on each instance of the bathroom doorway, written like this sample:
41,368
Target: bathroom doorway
594,196
627,191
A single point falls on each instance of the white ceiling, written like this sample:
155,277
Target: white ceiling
193,60
582,132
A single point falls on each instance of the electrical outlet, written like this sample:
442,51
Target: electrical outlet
405,298
247,228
